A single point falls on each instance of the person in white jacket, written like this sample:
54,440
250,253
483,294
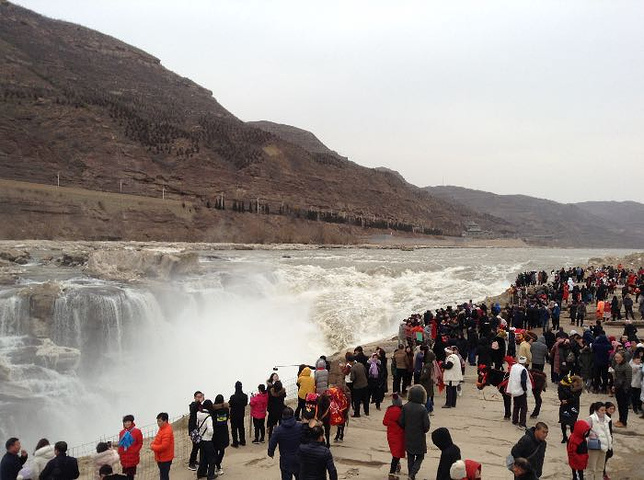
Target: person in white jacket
105,455
599,429
206,447
452,376
36,464
519,384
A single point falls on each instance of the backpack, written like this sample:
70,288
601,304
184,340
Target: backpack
195,435
310,409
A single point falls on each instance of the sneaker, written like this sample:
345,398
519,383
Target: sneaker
392,477
192,467
619,425
235,445
256,441
219,472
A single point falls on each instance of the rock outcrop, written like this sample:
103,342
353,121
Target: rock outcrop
134,265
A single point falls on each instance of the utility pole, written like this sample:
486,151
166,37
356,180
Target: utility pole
163,193
58,180
121,186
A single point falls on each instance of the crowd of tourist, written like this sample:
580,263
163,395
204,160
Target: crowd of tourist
509,345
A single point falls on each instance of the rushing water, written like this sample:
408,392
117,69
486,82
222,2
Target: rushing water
145,349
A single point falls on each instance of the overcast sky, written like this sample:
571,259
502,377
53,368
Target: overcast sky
544,98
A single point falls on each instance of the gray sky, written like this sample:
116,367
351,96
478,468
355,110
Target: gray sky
543,98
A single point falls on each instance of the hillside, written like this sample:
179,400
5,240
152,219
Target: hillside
106,116
629,214
551,222
297,136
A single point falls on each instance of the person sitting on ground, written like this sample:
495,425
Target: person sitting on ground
465,470
61,467
449,452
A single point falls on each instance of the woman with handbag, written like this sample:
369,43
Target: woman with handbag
599,440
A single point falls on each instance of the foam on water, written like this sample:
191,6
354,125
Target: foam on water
145,349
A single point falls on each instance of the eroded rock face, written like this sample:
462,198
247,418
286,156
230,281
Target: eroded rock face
42,298
132,265
13,255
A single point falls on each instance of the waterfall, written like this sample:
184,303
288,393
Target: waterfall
13,310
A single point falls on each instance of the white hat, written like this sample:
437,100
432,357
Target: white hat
573,333
457,470
522,360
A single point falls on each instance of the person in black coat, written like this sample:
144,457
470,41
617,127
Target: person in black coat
61,467
532,447
288,436
316,459
12,462
193,408
414,419
449,452
237,403
220,438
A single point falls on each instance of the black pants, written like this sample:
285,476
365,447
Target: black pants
622,396
237,426
635,399
260,429
520,409
301,402
450,395
537,366
507,405
193,454
413,463
394,464
407,380
537,403
339,435
164,470
629,311
361,397
219,456
206,460
577,474
600,378
397,381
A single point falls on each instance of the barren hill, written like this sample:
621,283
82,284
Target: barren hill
551,222
107,116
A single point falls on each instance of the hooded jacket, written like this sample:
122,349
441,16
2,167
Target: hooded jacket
321,377
287,436
578,446
39,461
533,450
453,374
601,348
414,419
539,351
130,456
315,460
449,452
395,433
220,416
108,457
237,403
306,383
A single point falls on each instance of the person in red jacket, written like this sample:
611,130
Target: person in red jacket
163,446
258,406
395,435
130,443
578,449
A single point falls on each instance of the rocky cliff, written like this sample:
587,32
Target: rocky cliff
91,112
